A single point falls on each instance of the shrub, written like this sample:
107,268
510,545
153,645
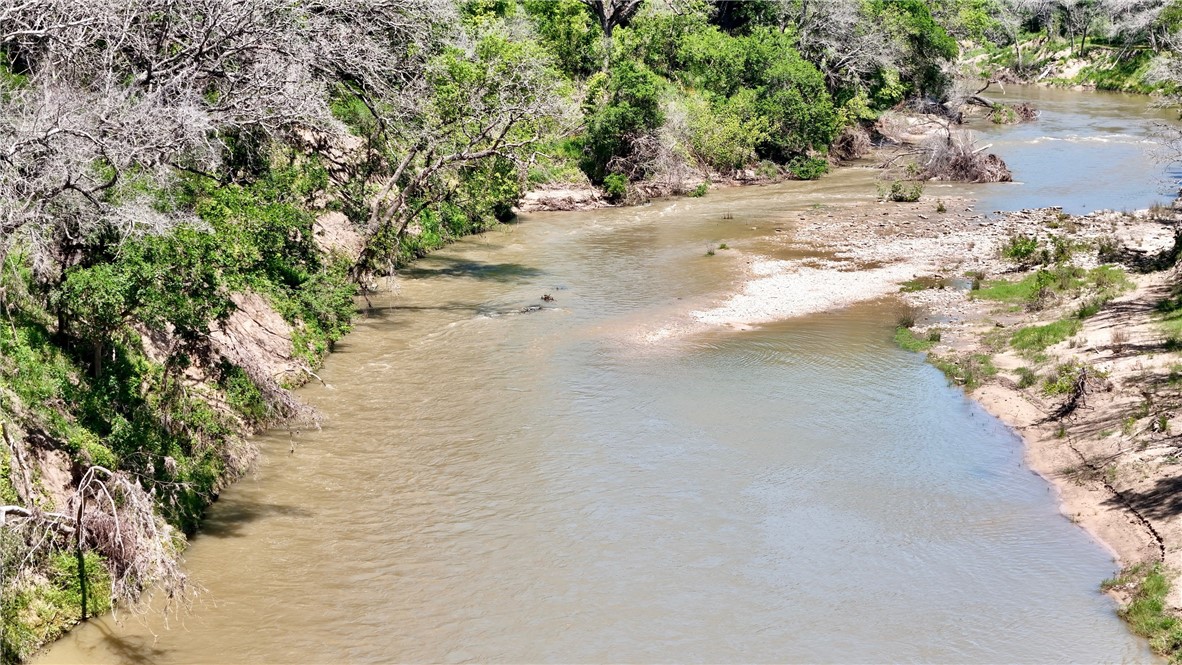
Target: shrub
808,168
1026,377
624,106
904,191
615,186
1020,248
699,191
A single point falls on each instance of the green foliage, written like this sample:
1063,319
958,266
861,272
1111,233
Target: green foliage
699,192
615,186
657,38
787,91
557,163
1169,319
968,370
1026,377
924,283
1147,611
927,44
725,135
1038,338
907,340
629,106
568,31
1105,282
808,168
1020,248
902,191
1062,380
42,610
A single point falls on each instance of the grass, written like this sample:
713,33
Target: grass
1170,320
969,371
1105,282
1038,338
924,283
909,341
1146,611
1026,377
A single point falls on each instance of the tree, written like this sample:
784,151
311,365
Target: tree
841,38
489,98
1078,17
612,14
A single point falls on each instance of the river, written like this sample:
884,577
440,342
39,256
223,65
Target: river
567,485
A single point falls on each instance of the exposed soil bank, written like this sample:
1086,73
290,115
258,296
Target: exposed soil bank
1112,459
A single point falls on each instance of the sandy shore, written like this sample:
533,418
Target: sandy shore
1114,461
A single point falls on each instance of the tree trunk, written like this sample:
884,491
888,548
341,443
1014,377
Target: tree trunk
80,555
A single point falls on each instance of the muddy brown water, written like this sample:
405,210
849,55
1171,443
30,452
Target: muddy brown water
564,486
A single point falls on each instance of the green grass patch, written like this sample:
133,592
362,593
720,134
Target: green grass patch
1038,338
38,611
924,284
969,370
909,341
1147,612
1105,282
1026,377
1169,319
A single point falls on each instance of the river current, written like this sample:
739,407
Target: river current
564,485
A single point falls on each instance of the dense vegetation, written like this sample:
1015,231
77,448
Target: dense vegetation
166,162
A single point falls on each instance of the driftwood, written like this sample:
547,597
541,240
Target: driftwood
1021,112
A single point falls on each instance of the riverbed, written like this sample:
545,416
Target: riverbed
511,479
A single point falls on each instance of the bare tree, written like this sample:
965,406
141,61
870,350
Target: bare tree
839,37
1079,17
121,93
108,513
1136,21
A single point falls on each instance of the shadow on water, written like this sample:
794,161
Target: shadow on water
230,517
454,267
128,649
383,313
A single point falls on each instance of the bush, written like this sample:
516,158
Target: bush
724,135
628,106
808,168
700,191
615,186
1026,377
1020,248
903,191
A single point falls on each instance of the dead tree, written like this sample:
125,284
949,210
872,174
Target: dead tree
109,513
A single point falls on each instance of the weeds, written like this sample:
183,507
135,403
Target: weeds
1147,612
969,370
1026,377
1038,338
901,191
924,284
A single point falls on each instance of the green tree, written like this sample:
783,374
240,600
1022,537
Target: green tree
627,106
